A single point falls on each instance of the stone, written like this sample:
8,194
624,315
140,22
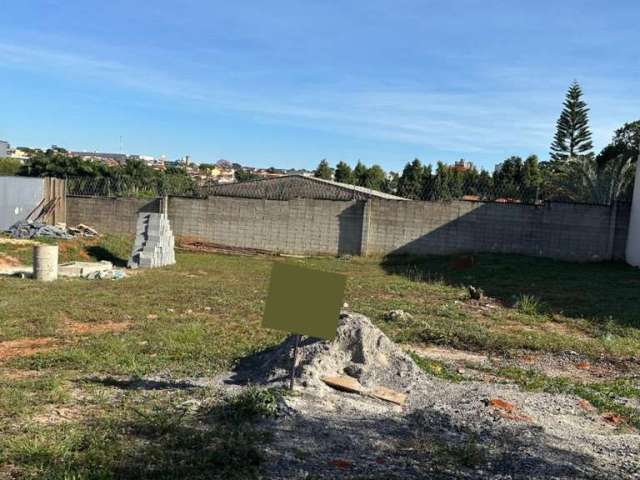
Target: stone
395,315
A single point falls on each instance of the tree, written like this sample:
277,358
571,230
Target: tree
323,170
53,163
625,142
573,136
441,184
410,183
531,179
375,178
583,180
507,178
242,175
344,174
360,174
9,167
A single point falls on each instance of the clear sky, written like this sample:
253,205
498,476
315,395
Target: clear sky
289,82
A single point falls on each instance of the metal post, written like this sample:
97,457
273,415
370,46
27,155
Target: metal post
294,361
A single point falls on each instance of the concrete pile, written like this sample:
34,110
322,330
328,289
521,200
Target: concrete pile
360,351
154,245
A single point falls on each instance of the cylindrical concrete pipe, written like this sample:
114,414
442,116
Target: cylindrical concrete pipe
45,262
633,237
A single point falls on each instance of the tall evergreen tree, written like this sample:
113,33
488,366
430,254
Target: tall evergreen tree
343,174
375,178
573,136
360,174
323,170
411,180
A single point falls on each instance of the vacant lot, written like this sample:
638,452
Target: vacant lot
90,371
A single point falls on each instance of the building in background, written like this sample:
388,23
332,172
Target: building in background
462,166
110,159
4,149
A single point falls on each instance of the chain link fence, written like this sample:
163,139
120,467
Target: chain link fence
288,188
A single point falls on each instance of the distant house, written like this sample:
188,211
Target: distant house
288,187
4,149
108,158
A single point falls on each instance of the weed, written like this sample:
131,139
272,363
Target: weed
250,405
435,368
528,305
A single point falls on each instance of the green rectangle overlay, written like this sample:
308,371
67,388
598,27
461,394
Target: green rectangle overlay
304,301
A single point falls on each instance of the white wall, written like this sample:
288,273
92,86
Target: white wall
18,197
633,238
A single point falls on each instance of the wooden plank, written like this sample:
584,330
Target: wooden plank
350,384
388,395
341,382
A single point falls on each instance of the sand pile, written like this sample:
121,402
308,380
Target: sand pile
360,350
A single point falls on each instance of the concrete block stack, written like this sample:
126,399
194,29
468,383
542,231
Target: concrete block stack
154,245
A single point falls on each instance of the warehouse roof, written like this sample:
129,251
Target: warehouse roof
288,187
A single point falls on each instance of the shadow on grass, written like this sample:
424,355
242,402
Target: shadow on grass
101,253
229,440
599,292
140,383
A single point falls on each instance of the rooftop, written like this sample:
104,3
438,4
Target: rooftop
287,187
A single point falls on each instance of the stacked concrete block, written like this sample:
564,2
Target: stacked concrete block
154,245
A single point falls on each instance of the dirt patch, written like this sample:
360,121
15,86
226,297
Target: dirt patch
193,245
80,328
25,347
77,247
55,414
452,355
19,374
9,261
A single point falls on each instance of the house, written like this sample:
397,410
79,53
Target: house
288,187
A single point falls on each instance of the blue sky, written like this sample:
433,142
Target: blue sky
287,83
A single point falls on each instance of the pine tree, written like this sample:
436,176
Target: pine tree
573,136
344,174
323,171
411,180
360,174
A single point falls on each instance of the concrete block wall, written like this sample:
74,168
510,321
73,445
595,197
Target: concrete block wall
557,230
378,227
112,215
296,226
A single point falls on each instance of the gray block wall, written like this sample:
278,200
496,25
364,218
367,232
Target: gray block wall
377,227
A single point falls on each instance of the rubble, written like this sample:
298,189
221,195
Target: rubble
360,350
397,315
91,270
24,229
154,244
30,229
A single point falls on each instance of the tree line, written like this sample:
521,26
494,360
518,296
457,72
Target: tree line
133,176
572,173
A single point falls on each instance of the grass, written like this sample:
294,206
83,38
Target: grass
197,317
436,368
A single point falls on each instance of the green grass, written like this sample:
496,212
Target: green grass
199,316
436,368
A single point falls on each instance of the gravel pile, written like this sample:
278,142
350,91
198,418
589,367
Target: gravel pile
444,430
